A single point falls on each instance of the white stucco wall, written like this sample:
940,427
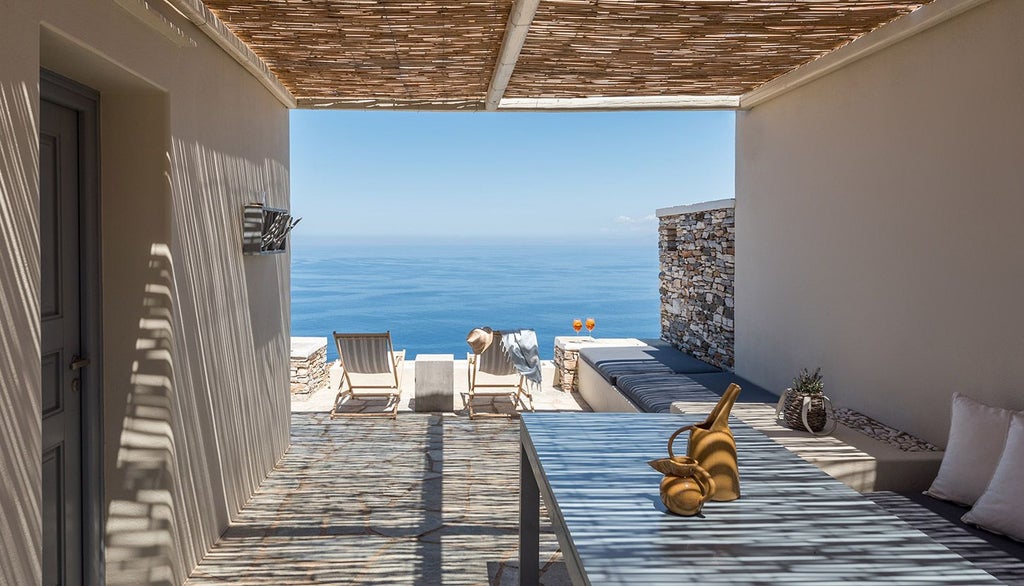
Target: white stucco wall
20,414
196,336
878,216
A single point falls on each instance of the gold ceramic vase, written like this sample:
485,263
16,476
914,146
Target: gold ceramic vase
709,470
686,485
711,443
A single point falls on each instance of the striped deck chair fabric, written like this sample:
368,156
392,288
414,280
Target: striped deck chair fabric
370,368
492,373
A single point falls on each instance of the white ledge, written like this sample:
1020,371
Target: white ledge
623,103
704,206
303,348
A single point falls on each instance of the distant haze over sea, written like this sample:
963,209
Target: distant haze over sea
430,293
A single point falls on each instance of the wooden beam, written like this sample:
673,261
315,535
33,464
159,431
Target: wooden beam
518,26
917,21
624,103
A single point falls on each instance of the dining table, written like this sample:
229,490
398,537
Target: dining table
793,523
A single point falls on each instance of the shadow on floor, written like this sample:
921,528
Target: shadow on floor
426,499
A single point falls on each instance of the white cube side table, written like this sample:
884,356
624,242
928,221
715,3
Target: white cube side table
435,383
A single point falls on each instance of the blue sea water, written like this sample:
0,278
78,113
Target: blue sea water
431,294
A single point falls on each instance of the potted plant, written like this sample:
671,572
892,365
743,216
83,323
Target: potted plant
804,406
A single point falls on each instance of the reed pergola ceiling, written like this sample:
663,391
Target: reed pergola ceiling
448,54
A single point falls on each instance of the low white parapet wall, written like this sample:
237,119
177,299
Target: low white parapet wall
308,365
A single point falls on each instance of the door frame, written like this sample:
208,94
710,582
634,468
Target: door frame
86,101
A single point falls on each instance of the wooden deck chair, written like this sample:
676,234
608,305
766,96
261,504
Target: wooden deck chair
370,368
491,373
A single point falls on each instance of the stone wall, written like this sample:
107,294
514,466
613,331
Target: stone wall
697,246
308,365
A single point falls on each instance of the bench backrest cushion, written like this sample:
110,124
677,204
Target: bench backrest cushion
977,435
999,508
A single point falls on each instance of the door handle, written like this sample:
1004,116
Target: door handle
78,363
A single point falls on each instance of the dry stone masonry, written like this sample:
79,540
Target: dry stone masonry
565,369
308,365
697,248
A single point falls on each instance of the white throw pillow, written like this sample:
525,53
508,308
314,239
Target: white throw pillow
999,510
977,435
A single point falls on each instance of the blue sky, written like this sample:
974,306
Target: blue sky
536,176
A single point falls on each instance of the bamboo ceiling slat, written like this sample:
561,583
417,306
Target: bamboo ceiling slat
599,48
440,54
365,53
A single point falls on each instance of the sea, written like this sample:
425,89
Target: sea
431,294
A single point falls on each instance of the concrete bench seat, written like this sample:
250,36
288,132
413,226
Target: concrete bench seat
599,370
998,555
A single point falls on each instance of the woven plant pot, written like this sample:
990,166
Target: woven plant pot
793,406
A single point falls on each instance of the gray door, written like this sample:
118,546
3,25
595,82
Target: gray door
61,322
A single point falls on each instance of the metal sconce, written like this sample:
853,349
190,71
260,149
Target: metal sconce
265,230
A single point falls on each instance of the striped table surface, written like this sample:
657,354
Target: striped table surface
793,524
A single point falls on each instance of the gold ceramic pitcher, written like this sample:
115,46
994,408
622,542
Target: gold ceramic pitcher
712,447
711,443
686,485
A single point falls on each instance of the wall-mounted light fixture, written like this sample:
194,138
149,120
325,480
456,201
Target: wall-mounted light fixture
265,230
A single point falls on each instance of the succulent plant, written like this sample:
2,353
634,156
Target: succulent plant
808,382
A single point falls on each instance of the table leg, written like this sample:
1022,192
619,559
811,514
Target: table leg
529,522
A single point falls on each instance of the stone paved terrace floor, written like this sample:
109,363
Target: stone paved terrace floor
547,398
424,499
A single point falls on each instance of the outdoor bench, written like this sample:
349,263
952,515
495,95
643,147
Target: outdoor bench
657,378
655,357
647,379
